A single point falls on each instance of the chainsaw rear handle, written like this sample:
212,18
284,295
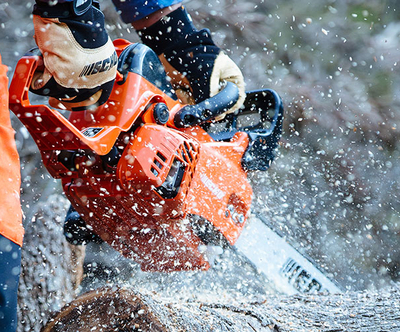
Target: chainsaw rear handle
192,115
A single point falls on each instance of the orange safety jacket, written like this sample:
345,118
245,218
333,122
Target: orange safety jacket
10,175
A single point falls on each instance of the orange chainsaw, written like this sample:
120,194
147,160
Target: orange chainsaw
157,179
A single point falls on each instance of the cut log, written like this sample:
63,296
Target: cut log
124,309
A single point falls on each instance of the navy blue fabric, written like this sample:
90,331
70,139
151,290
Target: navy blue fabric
63,9
10,267
87,28
87,34
167,33
133,10
189,51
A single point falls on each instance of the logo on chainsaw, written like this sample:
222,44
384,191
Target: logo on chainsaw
80,2
81,6
301,279
91,132
212,186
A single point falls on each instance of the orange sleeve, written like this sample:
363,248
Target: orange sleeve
10,176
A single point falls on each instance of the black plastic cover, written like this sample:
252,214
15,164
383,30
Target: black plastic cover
261,118
140,59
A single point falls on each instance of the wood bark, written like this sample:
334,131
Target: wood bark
50,268
51,271
125,309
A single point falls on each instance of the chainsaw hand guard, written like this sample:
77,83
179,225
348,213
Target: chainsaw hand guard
194,115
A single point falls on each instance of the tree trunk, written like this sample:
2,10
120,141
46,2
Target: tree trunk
124,309
51,268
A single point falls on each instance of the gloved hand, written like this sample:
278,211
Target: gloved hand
79,58
191,58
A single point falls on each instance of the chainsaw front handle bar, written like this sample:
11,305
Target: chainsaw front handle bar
193,115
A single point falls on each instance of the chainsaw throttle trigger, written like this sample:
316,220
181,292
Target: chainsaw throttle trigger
193,115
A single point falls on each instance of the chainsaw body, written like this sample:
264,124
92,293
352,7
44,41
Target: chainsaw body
154,190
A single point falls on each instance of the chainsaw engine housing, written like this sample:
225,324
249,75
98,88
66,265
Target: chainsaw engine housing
151,190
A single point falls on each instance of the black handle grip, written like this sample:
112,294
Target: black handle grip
192,115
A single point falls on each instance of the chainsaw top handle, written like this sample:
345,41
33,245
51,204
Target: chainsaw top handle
193,115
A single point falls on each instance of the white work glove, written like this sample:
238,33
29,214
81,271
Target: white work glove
79,58
191,58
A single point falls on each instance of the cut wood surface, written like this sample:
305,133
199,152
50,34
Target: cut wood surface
126,309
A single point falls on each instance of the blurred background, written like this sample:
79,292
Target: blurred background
333,189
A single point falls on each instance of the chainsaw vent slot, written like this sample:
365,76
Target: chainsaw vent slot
189,148
184,157
159,155
188,152
154,171
158,164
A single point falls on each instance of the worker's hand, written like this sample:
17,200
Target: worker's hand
191,58
79,58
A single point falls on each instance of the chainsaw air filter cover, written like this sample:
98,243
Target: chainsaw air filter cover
158,165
